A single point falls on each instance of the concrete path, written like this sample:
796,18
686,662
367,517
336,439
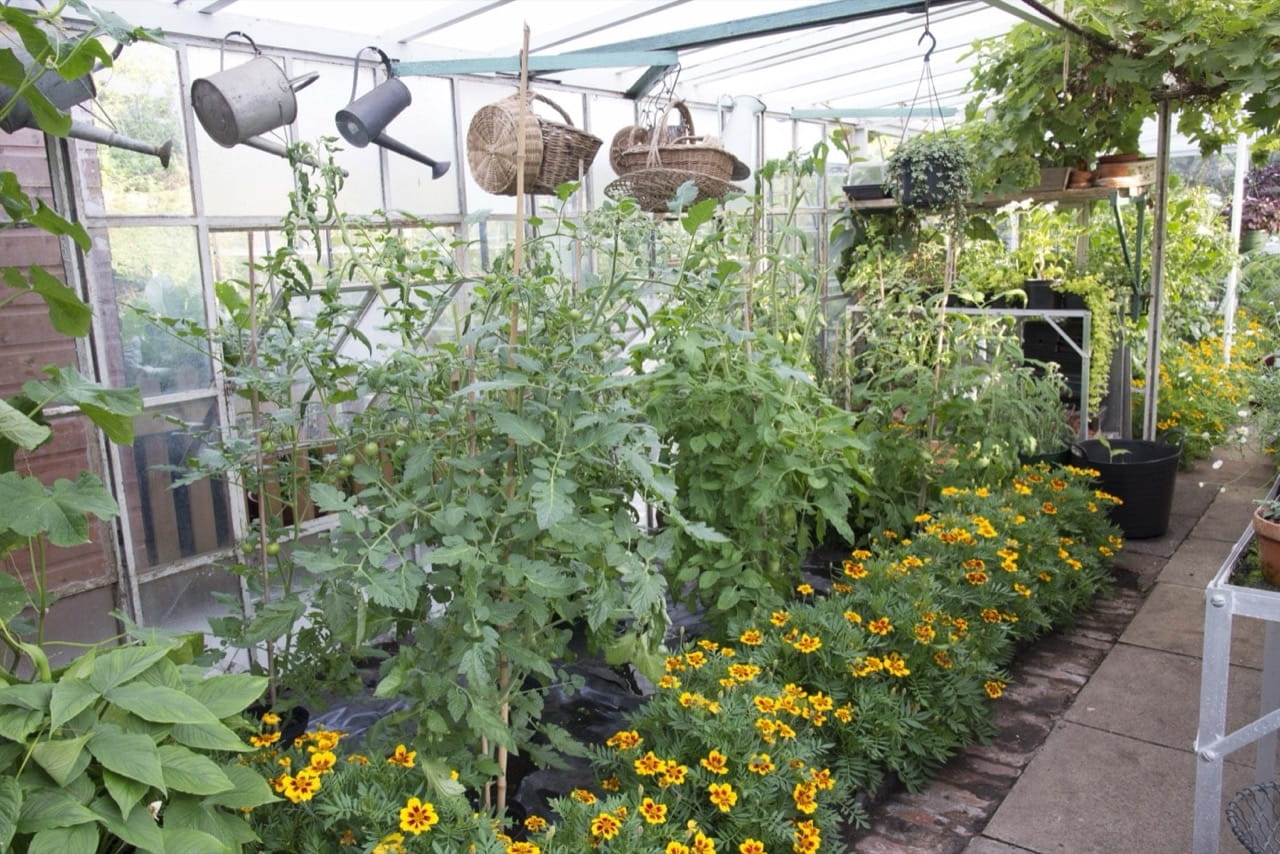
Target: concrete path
1095,752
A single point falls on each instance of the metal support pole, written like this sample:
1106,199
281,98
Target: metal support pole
1233,277
1214,675
1155,313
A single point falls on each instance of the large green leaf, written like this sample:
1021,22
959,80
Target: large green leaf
216,736
13,75
521,430
58,512
67,312
112,409
28,695
250,789
125,791
62,840
273,620
121,665
22,430
10,806
159,704
63,759
199,814
188,771
13,597
129,755
139,829
229,693
188,840
46,808
71,696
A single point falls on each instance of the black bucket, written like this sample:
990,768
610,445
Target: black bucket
1139,472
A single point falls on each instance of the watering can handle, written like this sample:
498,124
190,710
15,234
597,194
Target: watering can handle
355,74
222,48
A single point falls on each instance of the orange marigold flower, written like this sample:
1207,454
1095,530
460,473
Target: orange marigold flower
1048,508
924,633
994,688
855,569
880,626
624,739
605,825
752,637
943,659
582,796
976,577
715,762
653,812
535,824
990,615
649,764
805,796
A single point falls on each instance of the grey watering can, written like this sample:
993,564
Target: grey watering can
236,105
363,120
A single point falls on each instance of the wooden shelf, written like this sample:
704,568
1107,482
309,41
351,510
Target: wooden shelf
1066,197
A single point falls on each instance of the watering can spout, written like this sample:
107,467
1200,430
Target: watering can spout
438,167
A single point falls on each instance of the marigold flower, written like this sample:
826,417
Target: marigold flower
649,764
695,659
853,617
715,762
674,664
676,848
822,779
605,825
673,775
270,719
703,844
403,758
1048,508
751,846
323,761
854,569
653,812
358,759
976,577
994,688
1022,589
779,618
709,645
844,714
265,739
880,626
669,682
924,633
624,739
804,589
943,659
392,843
805,796
535,824
752,637
611,783
821,702
523,848
896,665
583,796
417,816
744,672
723,795
761,764
808,643
990,615
302,786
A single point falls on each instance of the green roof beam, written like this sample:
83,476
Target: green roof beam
868,113
537,64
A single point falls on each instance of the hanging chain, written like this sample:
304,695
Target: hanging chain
934,102
664,93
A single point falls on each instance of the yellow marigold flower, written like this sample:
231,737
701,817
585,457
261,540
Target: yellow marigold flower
785,731
723,795
302,786
921,518
403,758
804,589
715,762
853,617
994,688
808,643
1022,589
896,665
823,779
1048,508
1074,564
765,705
1044,576
605,825
990,615
392,843
951,490
889,534
805,796
924,633
751,846
358,759
326,739
669,682
703,845
676,848
611,783
859,554
880,626
653,812
624,739
844,714
709,645
779,618
752,637
807,838
840,587
266,739
821,702
761,764
854,569
523,848
535,824
744,672
695,659
673,775
582,796
649,764
323,761
417,816
943,659
767,727
976,577
270,719
674,664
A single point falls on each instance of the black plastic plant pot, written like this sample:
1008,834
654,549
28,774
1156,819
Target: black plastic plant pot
1141,473
931,193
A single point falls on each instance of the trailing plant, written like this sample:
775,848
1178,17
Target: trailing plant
930,171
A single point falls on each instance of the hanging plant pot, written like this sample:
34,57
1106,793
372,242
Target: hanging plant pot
1141,473
929,172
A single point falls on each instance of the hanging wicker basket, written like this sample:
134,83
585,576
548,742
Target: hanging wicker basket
660,148
554,152
654,189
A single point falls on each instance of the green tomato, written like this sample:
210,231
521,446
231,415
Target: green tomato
248,546
575,315
370,449
268,447
273,549
347,460
341,473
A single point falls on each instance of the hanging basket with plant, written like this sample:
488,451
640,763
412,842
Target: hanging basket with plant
930,171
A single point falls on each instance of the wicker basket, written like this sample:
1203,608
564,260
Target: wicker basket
687,152
554,152
653,189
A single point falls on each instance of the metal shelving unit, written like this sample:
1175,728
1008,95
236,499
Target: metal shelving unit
1223,602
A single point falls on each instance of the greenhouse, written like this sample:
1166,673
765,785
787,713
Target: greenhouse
641,426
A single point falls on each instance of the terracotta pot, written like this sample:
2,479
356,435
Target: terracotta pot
1120,157
1080,179
1268,540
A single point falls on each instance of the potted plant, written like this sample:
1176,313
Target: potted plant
1139,472
1266,527
930,171
1260,208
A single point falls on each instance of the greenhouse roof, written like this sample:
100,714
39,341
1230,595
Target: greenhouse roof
847,58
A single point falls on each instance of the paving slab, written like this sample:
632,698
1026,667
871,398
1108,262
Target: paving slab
1089,791
1192,495
1154,696
1180,526
1196,562
1172,619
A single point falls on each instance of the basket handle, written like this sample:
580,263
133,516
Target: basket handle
660,128
534,96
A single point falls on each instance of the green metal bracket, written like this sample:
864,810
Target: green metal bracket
1132,260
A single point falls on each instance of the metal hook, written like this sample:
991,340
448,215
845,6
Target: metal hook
355,79
222,47
933,43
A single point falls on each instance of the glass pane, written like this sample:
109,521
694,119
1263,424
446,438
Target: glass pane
778,137
239,181
140,99
169,522
157,270
184,601
361,191
426,126
609,117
